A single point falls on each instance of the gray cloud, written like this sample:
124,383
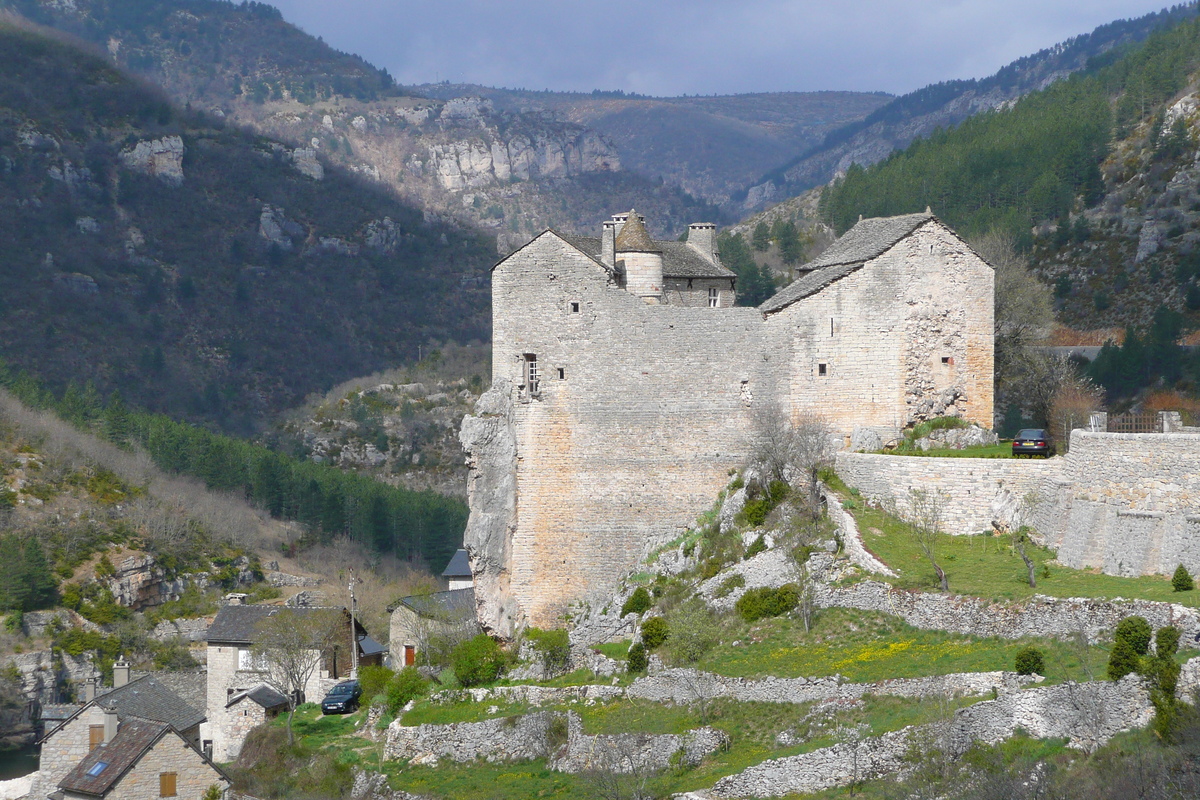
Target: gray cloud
700,47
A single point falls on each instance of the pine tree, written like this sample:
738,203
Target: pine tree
1182,580
761,240
43,588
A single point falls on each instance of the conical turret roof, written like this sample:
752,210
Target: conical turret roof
634,238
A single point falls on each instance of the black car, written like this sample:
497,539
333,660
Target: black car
1033,442
342,699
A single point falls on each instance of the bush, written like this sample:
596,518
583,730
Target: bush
638,661
477,661
1136,631
1166,642
1182,580
710,568
638,603
1030,661
759,545
374,681
729,584
407,684
654,632
1122,660
766,601
554,647
693,631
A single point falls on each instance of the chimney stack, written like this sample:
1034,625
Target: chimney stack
89,690
608,239
702,237
111,723
235,599
120,673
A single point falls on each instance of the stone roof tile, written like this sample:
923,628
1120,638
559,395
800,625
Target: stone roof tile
634,237
112,760
147,698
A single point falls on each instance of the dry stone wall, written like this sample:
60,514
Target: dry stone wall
494,740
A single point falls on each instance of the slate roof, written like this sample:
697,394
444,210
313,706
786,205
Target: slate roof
237,624
869,239
146,698
190,687
634,237
134,737
262,694
680,260
459,566
368,646
440,604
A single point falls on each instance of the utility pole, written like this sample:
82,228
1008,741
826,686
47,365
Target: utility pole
353,630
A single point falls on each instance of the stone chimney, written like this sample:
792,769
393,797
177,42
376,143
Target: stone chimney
702,237
89,690
642,258
120,673
608,242
235,599
111,723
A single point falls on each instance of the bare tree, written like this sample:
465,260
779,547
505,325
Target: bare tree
619,769
701,688
806,605
1072,405
290,647
793,449
1023,311
926,509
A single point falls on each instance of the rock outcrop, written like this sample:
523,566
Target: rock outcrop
159,158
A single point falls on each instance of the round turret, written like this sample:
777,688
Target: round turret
641,259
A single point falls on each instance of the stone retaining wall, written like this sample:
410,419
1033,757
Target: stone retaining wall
1086,714
1038,616
852,544
494,740
627,753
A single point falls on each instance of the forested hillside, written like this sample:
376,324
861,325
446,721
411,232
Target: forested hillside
202,270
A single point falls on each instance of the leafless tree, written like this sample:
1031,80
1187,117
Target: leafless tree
701,688
793,449
618,769
806,605
1072,405
926,510
1023,311
290,648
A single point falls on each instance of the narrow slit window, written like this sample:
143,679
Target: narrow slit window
714,297
574,307
831,327
562,373
822,369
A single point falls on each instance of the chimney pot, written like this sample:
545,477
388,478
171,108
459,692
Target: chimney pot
111,723
120,673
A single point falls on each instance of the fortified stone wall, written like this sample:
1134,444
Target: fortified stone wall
977,490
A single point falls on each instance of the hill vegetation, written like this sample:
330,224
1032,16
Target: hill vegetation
218,286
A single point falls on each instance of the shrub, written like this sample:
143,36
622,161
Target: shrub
1030,661
654,632
759,545
766,601
554,648
638,661
710,568
1136,631
374,681
406,685
1166,642
1122,660
692,631
477,661
1182,580
638,603
729,584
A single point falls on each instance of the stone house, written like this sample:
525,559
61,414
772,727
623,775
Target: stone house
458,572
141,760
98,720
248,709
233,669
424,620
620,402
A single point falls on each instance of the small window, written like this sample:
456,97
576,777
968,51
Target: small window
574,307
97,768
562,373
95,736
166,784
532,376
831,327
948,360
822,369
714,297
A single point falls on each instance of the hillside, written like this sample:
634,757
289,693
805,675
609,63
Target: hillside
711,147
939,106
204,271
511,172
1094,173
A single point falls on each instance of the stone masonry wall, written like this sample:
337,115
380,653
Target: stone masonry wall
574,482
63,750
171,754
494,740
978,490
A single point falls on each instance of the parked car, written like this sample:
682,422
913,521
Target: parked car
1033,442
342,699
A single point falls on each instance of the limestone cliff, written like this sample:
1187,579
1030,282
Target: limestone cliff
489,438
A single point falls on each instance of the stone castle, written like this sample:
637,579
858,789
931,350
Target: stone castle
625,381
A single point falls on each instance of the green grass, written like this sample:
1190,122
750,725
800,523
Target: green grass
865,646
988,566
1001,450
618,650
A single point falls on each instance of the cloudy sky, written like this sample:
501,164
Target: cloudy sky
671,47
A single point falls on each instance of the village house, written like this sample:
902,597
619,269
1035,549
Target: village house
620,399
139,730
421,621
236,677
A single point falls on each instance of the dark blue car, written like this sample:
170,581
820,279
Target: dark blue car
1033,442
342,699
